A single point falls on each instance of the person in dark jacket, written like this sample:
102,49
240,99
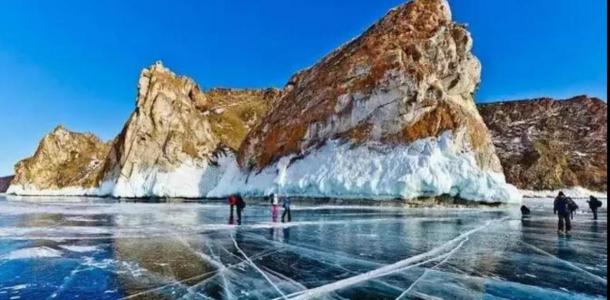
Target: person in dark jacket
286,205
594,204
561,209
572,206
241,204
525,210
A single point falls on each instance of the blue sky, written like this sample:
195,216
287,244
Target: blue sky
76,62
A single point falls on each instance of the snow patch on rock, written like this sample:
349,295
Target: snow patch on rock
35,252
574,192
189,180
426,167
31,190
79,249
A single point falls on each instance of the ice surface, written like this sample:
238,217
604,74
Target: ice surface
107,249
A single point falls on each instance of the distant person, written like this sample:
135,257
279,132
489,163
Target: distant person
524,210
232,202
286,205
594,204
561,209
275,207
241,204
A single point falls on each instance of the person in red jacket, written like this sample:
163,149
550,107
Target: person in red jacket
232,202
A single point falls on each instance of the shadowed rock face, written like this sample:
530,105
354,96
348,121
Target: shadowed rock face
63,159
176,124
549,144
409,76
5,182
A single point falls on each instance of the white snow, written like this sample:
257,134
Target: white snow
19,287
574,192
427,167
189,180
31,190
79,249
35,252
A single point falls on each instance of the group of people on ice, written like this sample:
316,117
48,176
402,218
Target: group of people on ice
236,201
564,207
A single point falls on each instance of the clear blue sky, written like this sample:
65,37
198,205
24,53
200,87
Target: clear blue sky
77,62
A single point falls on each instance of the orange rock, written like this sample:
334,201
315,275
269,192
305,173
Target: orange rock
409,76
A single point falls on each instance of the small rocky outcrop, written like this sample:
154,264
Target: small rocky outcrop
5,182
64,161
171,144
548,144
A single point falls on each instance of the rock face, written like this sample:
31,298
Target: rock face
401,93
546,144
171,144
65,162
5,182
388,115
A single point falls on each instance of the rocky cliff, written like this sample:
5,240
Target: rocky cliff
547,144
5,182
66,163
171,144
388,114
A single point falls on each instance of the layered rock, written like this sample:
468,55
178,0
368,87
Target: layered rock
392,110
5,182
547,144
65,163
173,143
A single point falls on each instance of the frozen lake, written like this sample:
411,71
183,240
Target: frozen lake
102,249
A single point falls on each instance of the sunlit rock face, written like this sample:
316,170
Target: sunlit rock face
65,162
547,144
410,77
388,115
171,143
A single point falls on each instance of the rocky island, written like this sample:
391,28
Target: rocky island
390,114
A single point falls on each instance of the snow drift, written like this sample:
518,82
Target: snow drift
427,167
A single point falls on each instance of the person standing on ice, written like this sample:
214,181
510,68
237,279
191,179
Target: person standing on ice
232,201
594,204
572,206
524,210
275,207
562,210
286,205
241,204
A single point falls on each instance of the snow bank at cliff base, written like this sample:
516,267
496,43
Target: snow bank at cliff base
189,180
30,190
427,167
574,192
